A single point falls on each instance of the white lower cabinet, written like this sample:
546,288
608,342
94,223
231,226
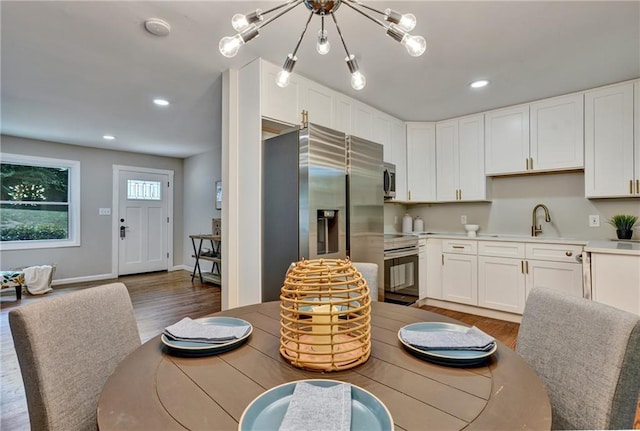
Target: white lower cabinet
615,280
434,269
460,271
422,268
501,284
561,276
499,275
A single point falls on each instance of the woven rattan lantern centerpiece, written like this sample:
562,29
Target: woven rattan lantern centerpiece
325,315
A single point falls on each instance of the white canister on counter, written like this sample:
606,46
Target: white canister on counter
407,222
418,224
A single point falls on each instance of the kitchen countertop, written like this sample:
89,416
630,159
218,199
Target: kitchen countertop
614,247
500,237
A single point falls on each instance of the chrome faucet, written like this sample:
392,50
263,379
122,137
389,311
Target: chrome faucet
535,230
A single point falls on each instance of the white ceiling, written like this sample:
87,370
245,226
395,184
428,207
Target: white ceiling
73,71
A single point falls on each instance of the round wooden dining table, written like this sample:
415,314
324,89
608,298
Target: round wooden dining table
153,390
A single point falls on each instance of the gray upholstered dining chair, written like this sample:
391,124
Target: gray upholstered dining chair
370,273
67,347
588,356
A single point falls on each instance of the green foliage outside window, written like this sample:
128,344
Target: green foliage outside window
34,202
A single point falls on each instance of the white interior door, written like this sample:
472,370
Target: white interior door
142,222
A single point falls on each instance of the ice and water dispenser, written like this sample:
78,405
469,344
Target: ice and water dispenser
328,232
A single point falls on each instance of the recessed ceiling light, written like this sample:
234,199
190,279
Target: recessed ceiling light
479,84
157,26
161,102
108,137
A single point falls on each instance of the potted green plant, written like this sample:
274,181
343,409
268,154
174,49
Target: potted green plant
624,225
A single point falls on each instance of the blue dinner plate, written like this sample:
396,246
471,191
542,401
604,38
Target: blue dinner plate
191,348
267,411
460,358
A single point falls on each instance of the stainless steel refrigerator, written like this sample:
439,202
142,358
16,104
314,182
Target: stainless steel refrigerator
322,197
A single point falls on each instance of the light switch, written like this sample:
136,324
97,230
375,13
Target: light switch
104,211
594,221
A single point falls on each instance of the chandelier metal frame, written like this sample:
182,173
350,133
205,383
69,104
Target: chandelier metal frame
396,24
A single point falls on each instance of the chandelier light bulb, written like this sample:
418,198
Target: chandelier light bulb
406,22
282,78
358,81
323,46
416,45
241,22
230,45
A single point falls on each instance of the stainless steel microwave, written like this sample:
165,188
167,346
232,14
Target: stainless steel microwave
389,180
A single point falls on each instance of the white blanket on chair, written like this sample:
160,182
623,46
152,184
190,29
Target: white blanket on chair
37,279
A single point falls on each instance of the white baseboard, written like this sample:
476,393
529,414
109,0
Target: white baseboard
98,277
182,268
83,279
470,309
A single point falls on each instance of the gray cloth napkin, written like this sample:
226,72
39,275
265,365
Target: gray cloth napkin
191,330
472,339
316,408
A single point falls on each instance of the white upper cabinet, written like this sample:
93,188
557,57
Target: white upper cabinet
362,124
421,162
610,170
507,140
557,133
277,103
319,102
342,113
546,135
399,156
460,159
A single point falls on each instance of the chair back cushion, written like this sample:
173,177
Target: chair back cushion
587,354
67,346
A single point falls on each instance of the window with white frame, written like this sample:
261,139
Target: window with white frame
39,202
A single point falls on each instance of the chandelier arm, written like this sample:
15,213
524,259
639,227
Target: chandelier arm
267,21
376,20
273,9
302,35
333,15
359,3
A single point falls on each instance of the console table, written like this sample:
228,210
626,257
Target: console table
212,255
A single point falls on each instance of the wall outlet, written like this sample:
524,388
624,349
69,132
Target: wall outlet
104,211
594,221
463,219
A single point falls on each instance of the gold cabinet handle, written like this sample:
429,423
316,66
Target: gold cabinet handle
526,267
638,186
531,163
443,259
568,254
460,190
527,163
409,194
522,266
630,187
458,246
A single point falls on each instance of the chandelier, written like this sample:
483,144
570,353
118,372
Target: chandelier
397,26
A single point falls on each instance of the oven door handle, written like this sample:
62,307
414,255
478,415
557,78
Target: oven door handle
393,254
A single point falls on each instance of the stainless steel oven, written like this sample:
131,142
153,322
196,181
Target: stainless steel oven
401,269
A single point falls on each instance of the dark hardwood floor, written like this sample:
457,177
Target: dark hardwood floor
159,299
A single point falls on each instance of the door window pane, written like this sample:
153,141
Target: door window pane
144,190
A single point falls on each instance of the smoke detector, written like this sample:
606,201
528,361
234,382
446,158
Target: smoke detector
157,27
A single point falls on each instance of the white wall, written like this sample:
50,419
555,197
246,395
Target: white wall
200,175
92,259
513,199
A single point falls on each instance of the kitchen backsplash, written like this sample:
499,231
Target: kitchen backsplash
513,199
